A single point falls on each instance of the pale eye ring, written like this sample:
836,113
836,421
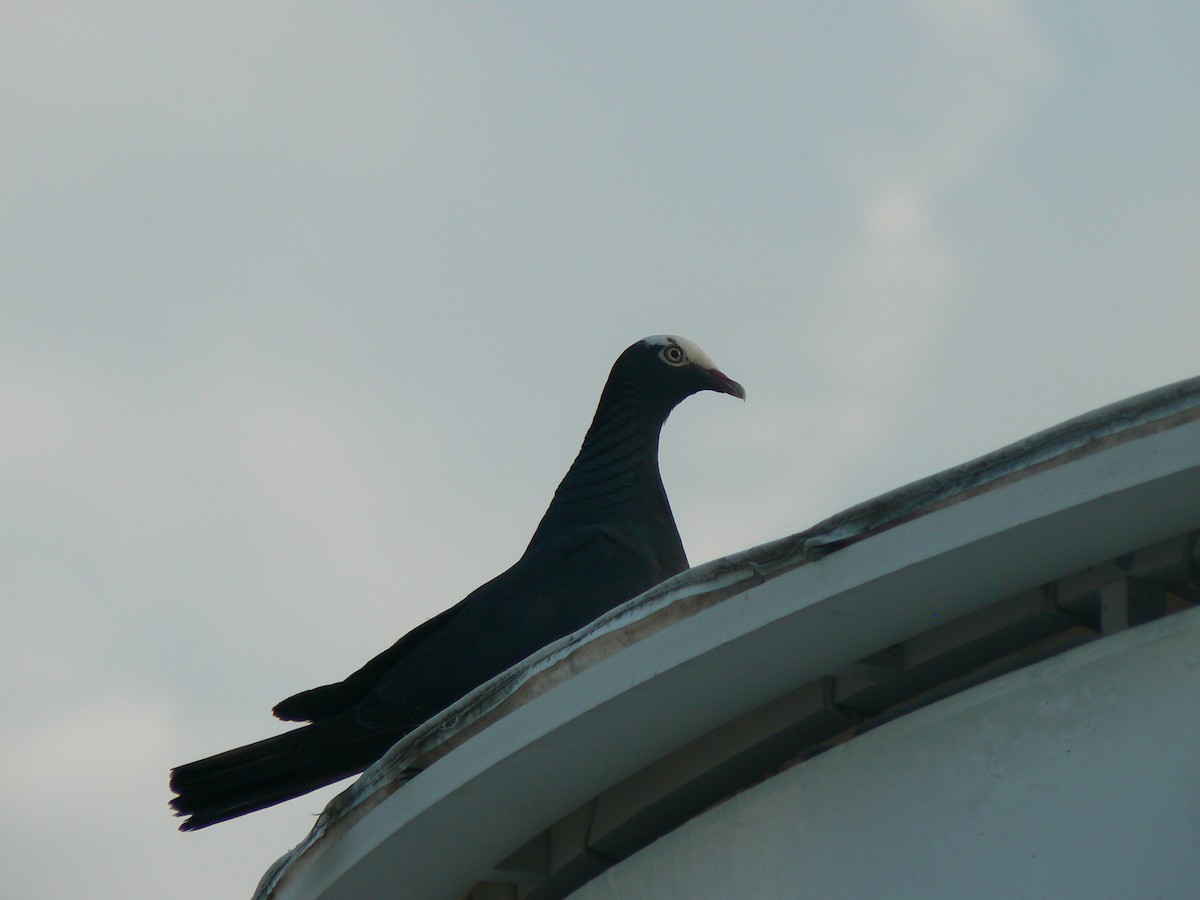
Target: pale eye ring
673,355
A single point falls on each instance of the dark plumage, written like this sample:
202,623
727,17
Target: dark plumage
607,536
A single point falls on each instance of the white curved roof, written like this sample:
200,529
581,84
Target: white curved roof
723,639
1072,778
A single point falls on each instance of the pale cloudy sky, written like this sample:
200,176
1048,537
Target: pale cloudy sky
304,309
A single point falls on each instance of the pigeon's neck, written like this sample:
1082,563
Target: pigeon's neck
615,478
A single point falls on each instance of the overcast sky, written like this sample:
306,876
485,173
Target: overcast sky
305,308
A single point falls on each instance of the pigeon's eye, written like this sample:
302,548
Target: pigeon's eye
673,355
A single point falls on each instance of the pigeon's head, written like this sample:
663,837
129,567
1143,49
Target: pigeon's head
672,368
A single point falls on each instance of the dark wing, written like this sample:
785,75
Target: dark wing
556,588
331,699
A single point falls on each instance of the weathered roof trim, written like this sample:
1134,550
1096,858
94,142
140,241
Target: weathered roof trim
708,584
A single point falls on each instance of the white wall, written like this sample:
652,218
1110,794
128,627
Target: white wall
1076,777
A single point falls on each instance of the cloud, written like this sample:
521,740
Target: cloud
937,114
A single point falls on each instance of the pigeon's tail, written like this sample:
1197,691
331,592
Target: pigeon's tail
264,773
